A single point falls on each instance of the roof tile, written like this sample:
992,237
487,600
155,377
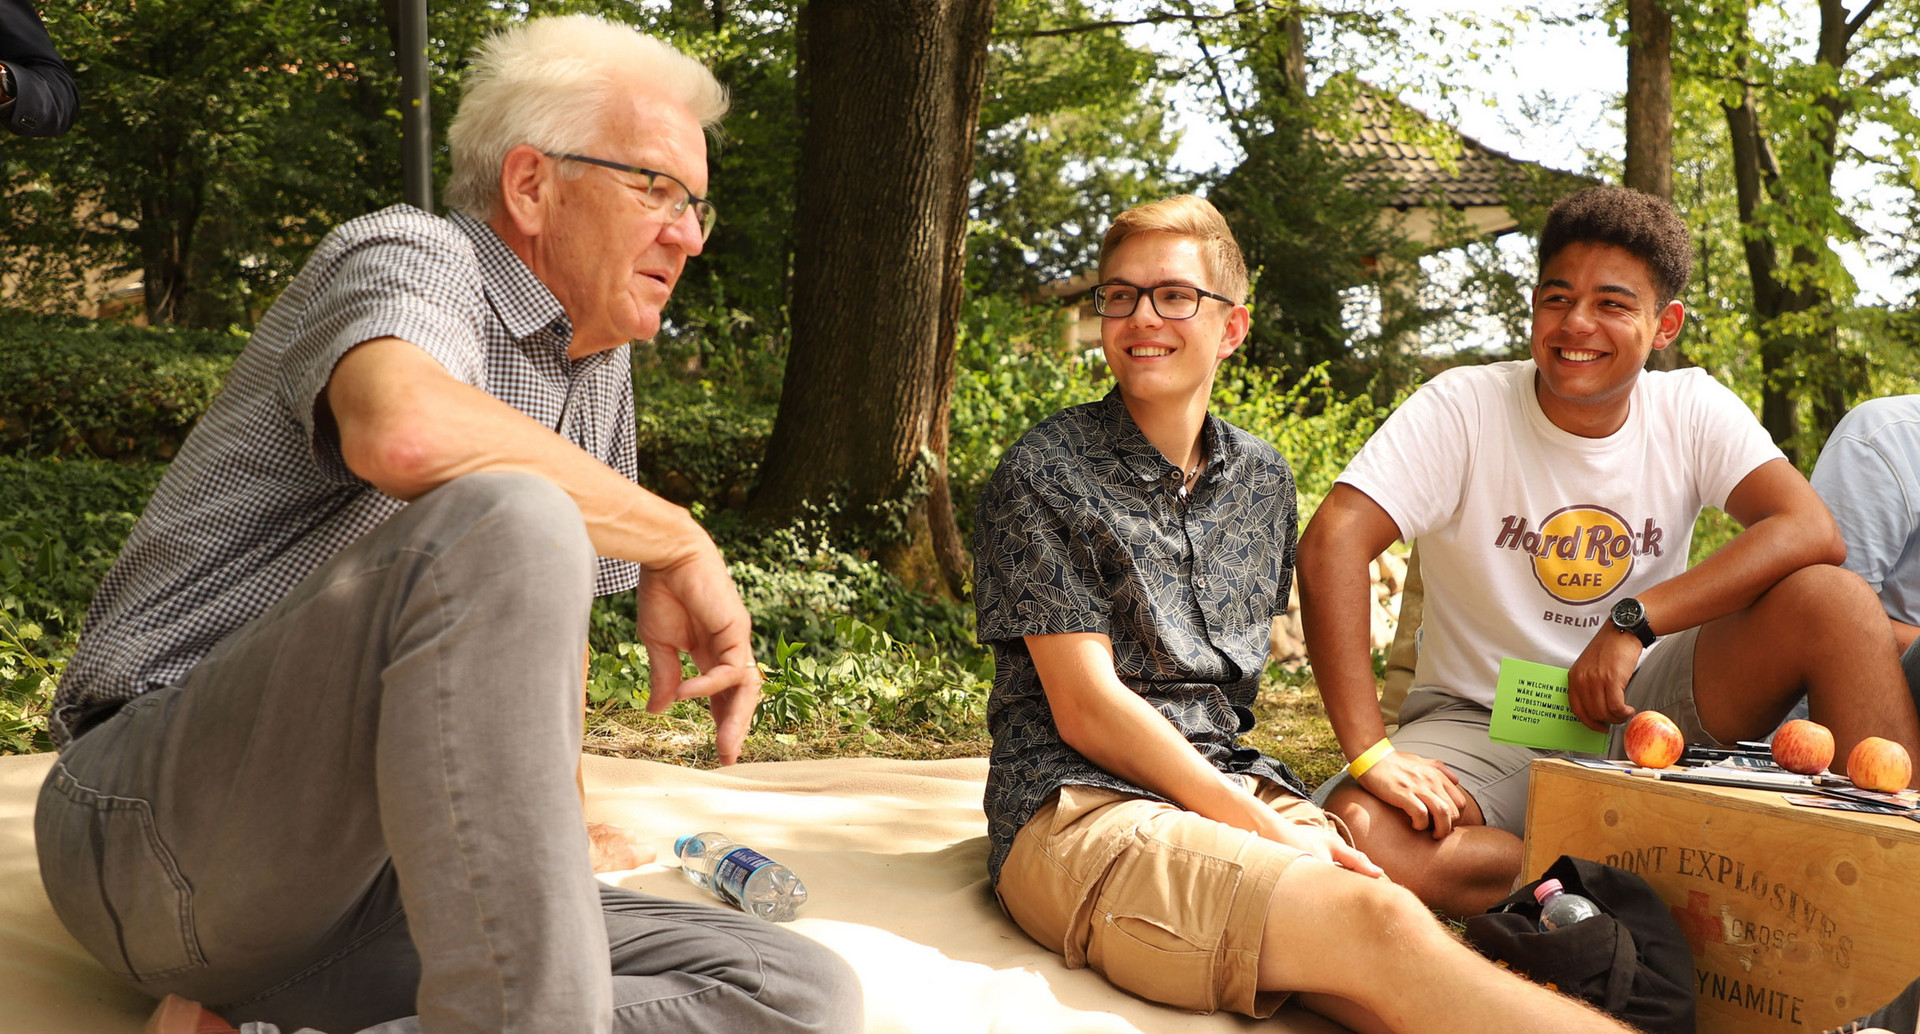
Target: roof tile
1475,179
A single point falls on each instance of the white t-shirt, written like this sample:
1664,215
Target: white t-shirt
1869,474
1528,534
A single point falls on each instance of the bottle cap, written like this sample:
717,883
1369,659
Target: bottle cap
680,842
1545,890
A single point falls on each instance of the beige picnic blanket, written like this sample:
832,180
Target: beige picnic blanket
893,854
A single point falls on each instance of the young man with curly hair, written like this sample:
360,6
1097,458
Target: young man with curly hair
1554,499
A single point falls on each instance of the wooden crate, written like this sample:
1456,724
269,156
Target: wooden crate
1800,919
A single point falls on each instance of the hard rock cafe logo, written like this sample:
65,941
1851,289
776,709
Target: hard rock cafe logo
1581,554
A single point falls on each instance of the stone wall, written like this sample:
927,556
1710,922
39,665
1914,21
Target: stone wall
1289,644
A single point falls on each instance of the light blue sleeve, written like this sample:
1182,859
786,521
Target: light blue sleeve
1870,500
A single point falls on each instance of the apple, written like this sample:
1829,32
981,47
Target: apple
1803,746
1653,741
1877,764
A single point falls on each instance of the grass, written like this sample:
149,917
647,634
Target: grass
684,736
1290,724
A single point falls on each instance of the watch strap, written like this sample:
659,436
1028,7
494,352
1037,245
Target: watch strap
1641,629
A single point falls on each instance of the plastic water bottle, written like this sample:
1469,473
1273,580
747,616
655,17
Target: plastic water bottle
1559,908
741,876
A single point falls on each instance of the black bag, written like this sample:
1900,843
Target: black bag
1632,961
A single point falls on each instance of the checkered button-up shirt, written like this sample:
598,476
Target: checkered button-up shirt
260,495
1083,529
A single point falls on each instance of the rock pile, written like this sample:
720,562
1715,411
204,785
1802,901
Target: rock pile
1289,644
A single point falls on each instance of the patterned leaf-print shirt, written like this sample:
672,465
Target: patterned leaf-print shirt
1083,529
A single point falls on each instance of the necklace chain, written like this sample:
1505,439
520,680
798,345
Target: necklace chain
1187,477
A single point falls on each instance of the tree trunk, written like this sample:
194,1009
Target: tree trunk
1752,164
1802,361
891,93
169,215
1650,98
1650,119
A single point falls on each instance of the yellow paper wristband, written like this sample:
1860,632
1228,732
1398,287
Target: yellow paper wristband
1369,758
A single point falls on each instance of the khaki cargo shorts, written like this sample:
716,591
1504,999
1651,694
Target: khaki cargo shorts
1162,902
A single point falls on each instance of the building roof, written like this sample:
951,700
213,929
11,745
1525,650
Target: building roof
1471,178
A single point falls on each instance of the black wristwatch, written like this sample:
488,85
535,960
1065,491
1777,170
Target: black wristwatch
1630,617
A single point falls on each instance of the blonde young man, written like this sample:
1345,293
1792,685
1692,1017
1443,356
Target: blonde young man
1130,554
319,742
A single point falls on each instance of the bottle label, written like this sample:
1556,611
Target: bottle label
734,869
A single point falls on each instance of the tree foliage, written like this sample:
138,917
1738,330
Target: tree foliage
1794,92
1311,211
1073,128
219,141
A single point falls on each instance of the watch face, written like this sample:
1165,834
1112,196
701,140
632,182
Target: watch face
1628,613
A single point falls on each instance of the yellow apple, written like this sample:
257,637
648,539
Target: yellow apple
1653,741
1803,746
1877,764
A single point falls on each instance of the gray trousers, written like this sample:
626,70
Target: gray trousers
360,810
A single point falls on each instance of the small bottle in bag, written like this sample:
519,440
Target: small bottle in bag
1559,908
740,876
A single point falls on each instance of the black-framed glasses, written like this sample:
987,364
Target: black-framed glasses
663,190
1170,301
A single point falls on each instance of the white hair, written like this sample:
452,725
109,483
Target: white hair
551,82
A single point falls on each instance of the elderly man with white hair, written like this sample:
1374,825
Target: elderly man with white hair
319,742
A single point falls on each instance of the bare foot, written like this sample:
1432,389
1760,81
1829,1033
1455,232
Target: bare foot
616,847
177,1015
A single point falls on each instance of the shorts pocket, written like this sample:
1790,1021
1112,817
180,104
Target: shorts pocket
1159,923
113,882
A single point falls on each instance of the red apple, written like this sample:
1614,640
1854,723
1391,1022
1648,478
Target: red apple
1803,746
1877,764
1653,741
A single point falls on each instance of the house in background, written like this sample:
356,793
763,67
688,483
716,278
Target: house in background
1424,166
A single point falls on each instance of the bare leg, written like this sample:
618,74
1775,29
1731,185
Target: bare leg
1336,933
1344,1011
1820,631
1461,874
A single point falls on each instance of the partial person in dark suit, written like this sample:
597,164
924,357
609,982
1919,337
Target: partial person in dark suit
37,97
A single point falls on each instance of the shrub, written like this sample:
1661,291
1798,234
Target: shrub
864,681
704,406
30,666
65,523
839,639
1313,427
1015,370
872,683
702,450
76,387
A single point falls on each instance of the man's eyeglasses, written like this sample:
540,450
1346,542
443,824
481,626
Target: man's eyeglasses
1171,301
662,191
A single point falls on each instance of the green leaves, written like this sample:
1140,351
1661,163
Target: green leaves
870,682
63,525
861,680
103,390
1073,128
29,672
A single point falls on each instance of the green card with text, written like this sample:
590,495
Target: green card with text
1530,709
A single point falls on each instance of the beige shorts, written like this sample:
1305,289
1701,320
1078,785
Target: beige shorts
1162,902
